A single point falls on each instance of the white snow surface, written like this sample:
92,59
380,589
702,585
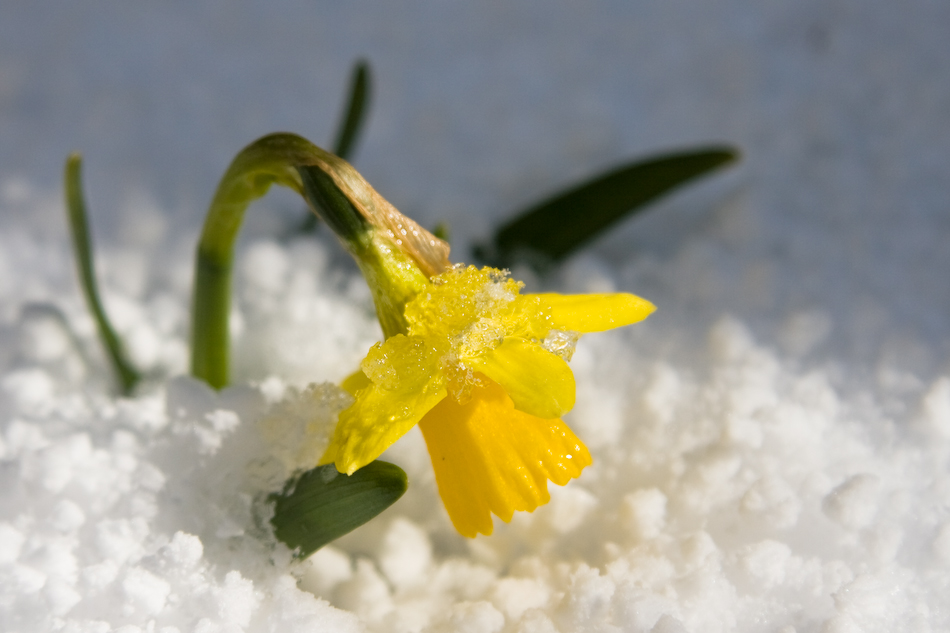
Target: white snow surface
771,448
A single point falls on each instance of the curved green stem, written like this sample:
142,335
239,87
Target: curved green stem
395,254
273,159
82,246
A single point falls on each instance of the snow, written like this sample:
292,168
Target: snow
771,448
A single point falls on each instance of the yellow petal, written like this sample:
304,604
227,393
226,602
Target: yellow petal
378,418
539,382
489,457
527,316
356,381
595,313
403,363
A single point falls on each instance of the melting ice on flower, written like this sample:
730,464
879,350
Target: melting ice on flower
483,370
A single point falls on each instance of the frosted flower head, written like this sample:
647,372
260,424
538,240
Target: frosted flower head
483,370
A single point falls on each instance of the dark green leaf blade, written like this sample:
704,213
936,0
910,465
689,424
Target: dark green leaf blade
561,224
322,505
351,126
357,106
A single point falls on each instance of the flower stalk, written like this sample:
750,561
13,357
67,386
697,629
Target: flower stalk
267,161
389,248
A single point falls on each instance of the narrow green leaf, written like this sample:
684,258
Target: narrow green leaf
82,246
351,125
442,231
561,224
322,504
357,107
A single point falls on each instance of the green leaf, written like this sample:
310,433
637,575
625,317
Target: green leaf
561,224
322,504
442,231
82,246
356,110
350,127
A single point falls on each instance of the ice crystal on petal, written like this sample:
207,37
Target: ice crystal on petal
527,317
561,343
482,336
459,379
402,362
460,297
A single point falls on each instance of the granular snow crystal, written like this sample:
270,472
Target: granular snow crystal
733,488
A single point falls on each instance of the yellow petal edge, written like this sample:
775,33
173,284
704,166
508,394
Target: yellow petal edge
375,421
597,312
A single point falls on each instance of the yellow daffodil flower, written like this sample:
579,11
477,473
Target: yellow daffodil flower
482,369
